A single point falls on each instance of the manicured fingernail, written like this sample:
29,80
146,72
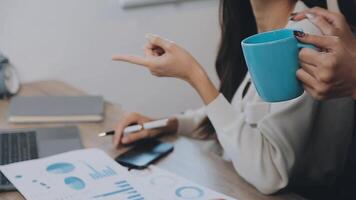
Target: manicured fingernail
299,33
310,16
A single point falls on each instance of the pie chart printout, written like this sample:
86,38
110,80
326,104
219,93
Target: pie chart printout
60,168
74,183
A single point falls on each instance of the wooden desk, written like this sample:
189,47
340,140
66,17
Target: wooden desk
191,158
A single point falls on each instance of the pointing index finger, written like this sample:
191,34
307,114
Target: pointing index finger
138,60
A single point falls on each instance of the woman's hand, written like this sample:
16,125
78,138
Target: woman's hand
331,24
165,58
136,118
330,73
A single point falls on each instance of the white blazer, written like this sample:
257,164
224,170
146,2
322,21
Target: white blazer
300,142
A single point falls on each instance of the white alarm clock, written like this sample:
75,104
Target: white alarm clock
9,80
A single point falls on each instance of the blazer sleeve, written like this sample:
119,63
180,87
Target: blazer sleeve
189,120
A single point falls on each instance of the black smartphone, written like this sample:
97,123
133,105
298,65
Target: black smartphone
144,153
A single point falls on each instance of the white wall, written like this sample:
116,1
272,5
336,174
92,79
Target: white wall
73,40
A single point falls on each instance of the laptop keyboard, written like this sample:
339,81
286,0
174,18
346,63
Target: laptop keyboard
15,147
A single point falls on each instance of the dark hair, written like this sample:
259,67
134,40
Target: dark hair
237,22
348,8
313,3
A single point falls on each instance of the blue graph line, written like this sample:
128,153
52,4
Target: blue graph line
125,185
134,196
120,182
113,193
107,194
125,189
108,171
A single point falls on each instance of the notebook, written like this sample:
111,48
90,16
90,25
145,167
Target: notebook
56,109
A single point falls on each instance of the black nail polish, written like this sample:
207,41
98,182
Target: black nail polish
299,33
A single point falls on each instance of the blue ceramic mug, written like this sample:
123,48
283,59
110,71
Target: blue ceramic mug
272,60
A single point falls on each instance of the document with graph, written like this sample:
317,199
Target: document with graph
92,174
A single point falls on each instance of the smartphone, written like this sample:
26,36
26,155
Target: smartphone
144,153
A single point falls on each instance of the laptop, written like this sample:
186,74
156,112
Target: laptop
27,144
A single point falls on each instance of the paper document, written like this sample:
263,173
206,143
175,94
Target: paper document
92,174
164,185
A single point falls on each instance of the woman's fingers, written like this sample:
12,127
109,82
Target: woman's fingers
319,90
158,41
155,47
127,120
324,25
298,16
307,79
153,50
138,60
149,51
310,69
133,137
310,56
325,20
329,16
158,51
144,134
165,59
124,122
323,42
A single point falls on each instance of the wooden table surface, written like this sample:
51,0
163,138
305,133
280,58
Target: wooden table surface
191,159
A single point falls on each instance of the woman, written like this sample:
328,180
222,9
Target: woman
270,145
338,67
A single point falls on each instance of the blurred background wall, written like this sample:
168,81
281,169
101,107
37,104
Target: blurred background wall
73,41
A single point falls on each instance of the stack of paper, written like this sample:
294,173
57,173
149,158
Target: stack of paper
92,174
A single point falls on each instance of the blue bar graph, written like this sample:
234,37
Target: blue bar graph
134,196
124,190
96,174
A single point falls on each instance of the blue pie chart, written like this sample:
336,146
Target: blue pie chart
189,192
74,183
60,168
